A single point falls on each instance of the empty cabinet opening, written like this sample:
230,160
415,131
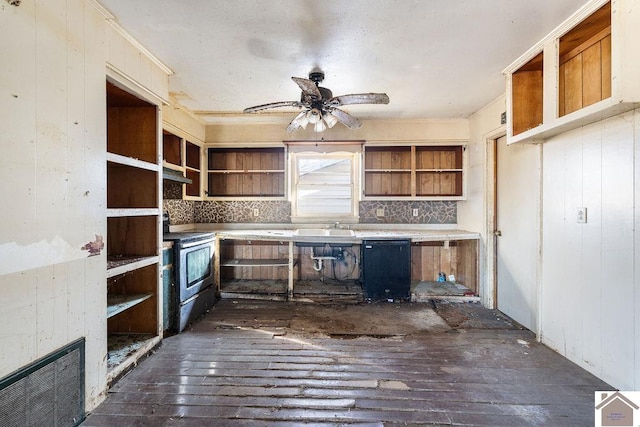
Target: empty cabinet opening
585,63
526,87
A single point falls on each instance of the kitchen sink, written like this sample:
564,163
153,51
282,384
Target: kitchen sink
311,232
323,232
340,232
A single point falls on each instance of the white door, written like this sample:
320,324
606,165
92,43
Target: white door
517,230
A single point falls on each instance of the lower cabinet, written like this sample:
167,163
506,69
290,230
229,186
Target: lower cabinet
168,286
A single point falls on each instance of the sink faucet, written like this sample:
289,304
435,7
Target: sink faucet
336,225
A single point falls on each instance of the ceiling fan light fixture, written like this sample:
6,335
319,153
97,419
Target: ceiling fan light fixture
314,116
330,119
299,122
320,106
320,126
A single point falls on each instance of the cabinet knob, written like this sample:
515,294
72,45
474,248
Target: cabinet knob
497,233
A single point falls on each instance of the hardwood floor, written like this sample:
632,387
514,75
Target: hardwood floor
251,363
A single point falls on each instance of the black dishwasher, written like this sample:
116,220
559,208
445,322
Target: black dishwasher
386,269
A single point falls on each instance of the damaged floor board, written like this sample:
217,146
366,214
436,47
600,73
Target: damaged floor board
251,363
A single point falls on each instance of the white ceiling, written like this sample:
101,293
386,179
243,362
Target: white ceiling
434,58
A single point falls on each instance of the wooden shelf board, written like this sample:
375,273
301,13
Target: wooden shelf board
438,170
387,170
255,263
121,264
123,212
130,161
116,304
229,171
125,350
172,166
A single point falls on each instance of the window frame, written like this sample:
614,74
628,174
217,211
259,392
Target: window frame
355,176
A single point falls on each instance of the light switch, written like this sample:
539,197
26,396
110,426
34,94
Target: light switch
256,212
415,212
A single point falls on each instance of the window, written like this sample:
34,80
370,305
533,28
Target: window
324,186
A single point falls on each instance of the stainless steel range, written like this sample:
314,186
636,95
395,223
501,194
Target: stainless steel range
194,278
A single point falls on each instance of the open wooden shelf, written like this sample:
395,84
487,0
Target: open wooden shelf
133,224
124,351
583,71
416,171
116,304
584,77
131,187
246,172
120,264
171,149
254,262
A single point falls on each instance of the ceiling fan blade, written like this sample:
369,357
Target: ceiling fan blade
360,98
345,118
273,105
299,122
309,88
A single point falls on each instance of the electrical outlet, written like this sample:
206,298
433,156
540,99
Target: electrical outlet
256,212
581,215
380,212
415,212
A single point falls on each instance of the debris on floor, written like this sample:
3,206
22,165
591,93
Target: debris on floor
472,315
425,291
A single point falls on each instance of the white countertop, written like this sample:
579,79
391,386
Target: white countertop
358,235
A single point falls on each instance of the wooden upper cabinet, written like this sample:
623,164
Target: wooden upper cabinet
193,155
585,70
414,171
584,76
388,171
527,95
171,149
246,172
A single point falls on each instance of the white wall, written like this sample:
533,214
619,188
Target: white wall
591,272
56,55
52,184
387,131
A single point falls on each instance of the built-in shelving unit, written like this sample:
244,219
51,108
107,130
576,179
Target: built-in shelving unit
255,261
133,224
414,171
388,171
246,172
581,72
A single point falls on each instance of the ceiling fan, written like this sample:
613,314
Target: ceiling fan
320,106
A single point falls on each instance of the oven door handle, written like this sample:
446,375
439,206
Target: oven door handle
196,243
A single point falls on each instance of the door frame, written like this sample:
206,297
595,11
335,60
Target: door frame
491,295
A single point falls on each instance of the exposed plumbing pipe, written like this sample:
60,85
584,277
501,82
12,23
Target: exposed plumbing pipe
317,260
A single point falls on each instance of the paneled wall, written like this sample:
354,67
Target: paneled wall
591,271
55,58
53,177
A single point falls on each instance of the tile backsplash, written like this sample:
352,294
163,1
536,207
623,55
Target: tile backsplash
401,212
241,211
279,212
180,211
